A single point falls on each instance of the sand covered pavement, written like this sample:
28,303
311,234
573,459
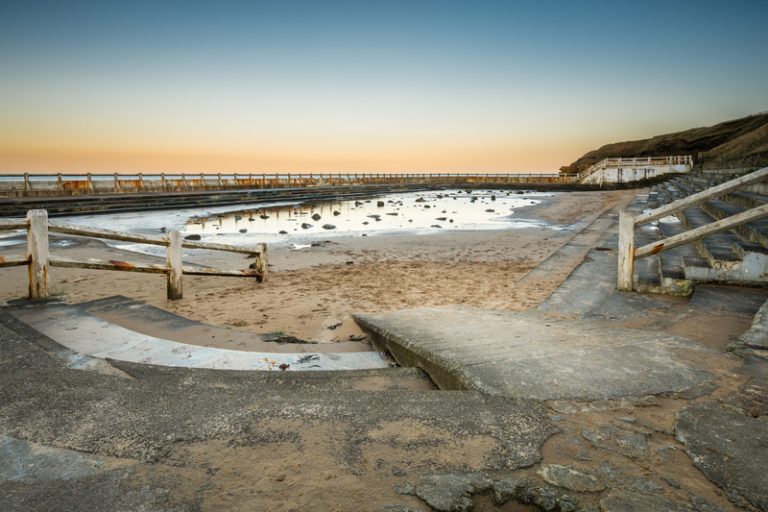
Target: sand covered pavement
312,292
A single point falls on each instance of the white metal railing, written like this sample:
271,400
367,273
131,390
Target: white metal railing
632,162
628,253
39,259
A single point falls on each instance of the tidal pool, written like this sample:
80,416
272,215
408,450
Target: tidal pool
414,212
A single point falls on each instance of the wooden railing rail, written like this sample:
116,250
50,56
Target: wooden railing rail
628,253
39,259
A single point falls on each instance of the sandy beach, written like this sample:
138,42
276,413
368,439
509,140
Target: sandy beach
311,293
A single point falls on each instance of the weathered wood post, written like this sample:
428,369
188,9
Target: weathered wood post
626,268
175,265
260,264
37,252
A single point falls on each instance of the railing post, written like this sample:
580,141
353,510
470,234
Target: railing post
626,267
117,183
89,182
261,265
37,252
26,182
175,265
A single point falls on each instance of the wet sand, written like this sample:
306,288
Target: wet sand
313,289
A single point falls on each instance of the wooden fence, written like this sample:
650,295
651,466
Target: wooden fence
38,258
85,184
628,253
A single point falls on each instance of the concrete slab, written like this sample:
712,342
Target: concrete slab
531,355
92,336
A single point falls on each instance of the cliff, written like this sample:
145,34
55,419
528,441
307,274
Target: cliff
737,143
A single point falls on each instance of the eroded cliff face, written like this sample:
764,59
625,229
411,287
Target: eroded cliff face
737,143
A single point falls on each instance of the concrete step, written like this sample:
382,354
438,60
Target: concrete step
146,319
716,248
87,334
756,231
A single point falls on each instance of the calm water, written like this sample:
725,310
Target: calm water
298,225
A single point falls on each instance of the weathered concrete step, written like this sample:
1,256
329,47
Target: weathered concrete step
717,248
146,319
756,231
89,335
532,355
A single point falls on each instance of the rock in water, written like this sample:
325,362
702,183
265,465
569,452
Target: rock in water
316,216
243,230
329,226
380,203
336,213
192,237
305,225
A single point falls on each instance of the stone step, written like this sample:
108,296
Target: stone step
87,334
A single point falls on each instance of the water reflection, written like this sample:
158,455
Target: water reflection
420,212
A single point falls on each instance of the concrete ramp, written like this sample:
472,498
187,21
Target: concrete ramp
89,335
530,355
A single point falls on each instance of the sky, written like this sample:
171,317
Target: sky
366,85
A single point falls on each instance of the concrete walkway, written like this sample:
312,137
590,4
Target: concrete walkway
530,355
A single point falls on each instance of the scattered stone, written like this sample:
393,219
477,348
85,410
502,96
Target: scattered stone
701,505
243,230
305,225
473,199
237,217
316,216
490,210
364,234
441,218
251,219
163,229
519,192
282,232
421,200
629,444
359,203
284,366
365,223
349,262
332,323
329,226
731,449
263,216
193,237
450,492
427,206
380,204
563,476
336,213
437,226
493,198
450,220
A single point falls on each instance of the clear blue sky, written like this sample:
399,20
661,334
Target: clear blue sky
119,86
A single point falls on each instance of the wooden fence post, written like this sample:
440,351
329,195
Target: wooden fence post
626,268
261,263
175,265
37,252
